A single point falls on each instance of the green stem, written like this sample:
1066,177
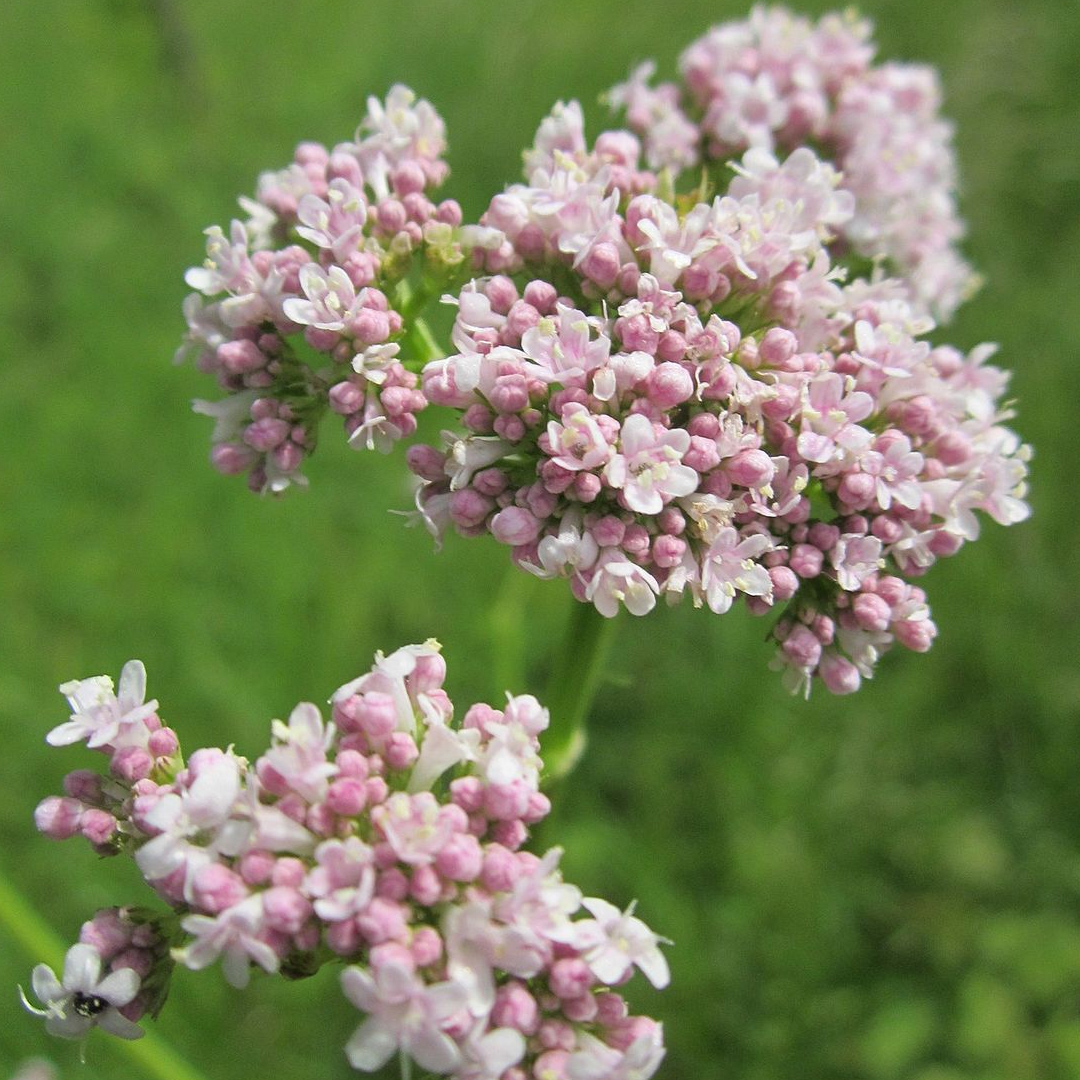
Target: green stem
572,687
508,629
35,936
420,341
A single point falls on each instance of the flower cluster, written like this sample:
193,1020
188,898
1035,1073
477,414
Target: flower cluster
696,403
777,82
306,295
390,839
714,391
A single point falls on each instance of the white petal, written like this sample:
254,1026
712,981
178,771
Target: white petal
371,1046
132,689
119,1025
69,1026
82,968
46,985
119,987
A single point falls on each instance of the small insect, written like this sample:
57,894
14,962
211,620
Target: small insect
88,1004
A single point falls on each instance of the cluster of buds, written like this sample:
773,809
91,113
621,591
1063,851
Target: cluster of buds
777,82
391,840
306,295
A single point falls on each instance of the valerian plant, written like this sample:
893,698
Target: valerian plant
690,359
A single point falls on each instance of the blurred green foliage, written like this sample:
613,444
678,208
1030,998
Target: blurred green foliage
882,887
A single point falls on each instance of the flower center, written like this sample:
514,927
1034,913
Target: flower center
89,1004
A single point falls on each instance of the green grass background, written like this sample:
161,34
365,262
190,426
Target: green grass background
870,888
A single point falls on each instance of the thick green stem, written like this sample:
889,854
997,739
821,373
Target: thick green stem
572,687
25,926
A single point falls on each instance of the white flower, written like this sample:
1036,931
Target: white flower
100,716
84,999
622,940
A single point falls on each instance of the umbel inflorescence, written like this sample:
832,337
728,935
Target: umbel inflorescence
390,841
689,359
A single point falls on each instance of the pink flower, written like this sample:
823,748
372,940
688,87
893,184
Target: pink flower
578,442
728,567
297,761
402,1013
595,1060
343,882
414,825
648,469
614,580
238,933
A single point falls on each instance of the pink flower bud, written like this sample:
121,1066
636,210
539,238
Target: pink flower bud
610,1009
377,790
449,212
556,1035
131,763
347,796
515,1008
163,743
231,459
802,647
552,1065
751,468
917,634
461,859
806,560
426,946
857,490
286,909
785,583
541,295
256,867
839,674
668,385
501,869
506,802
376,715
343,937
370,326
511,834
400,751
777,347
892,590
383,920
425,885
215,887
871,612
97,826
515,526
570,978
581,1010
289,871
468,793
392,884
57,817
601,264
106,932
141,961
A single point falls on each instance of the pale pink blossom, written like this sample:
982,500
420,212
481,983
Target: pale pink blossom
237,935
648,469
402,1013
623,942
